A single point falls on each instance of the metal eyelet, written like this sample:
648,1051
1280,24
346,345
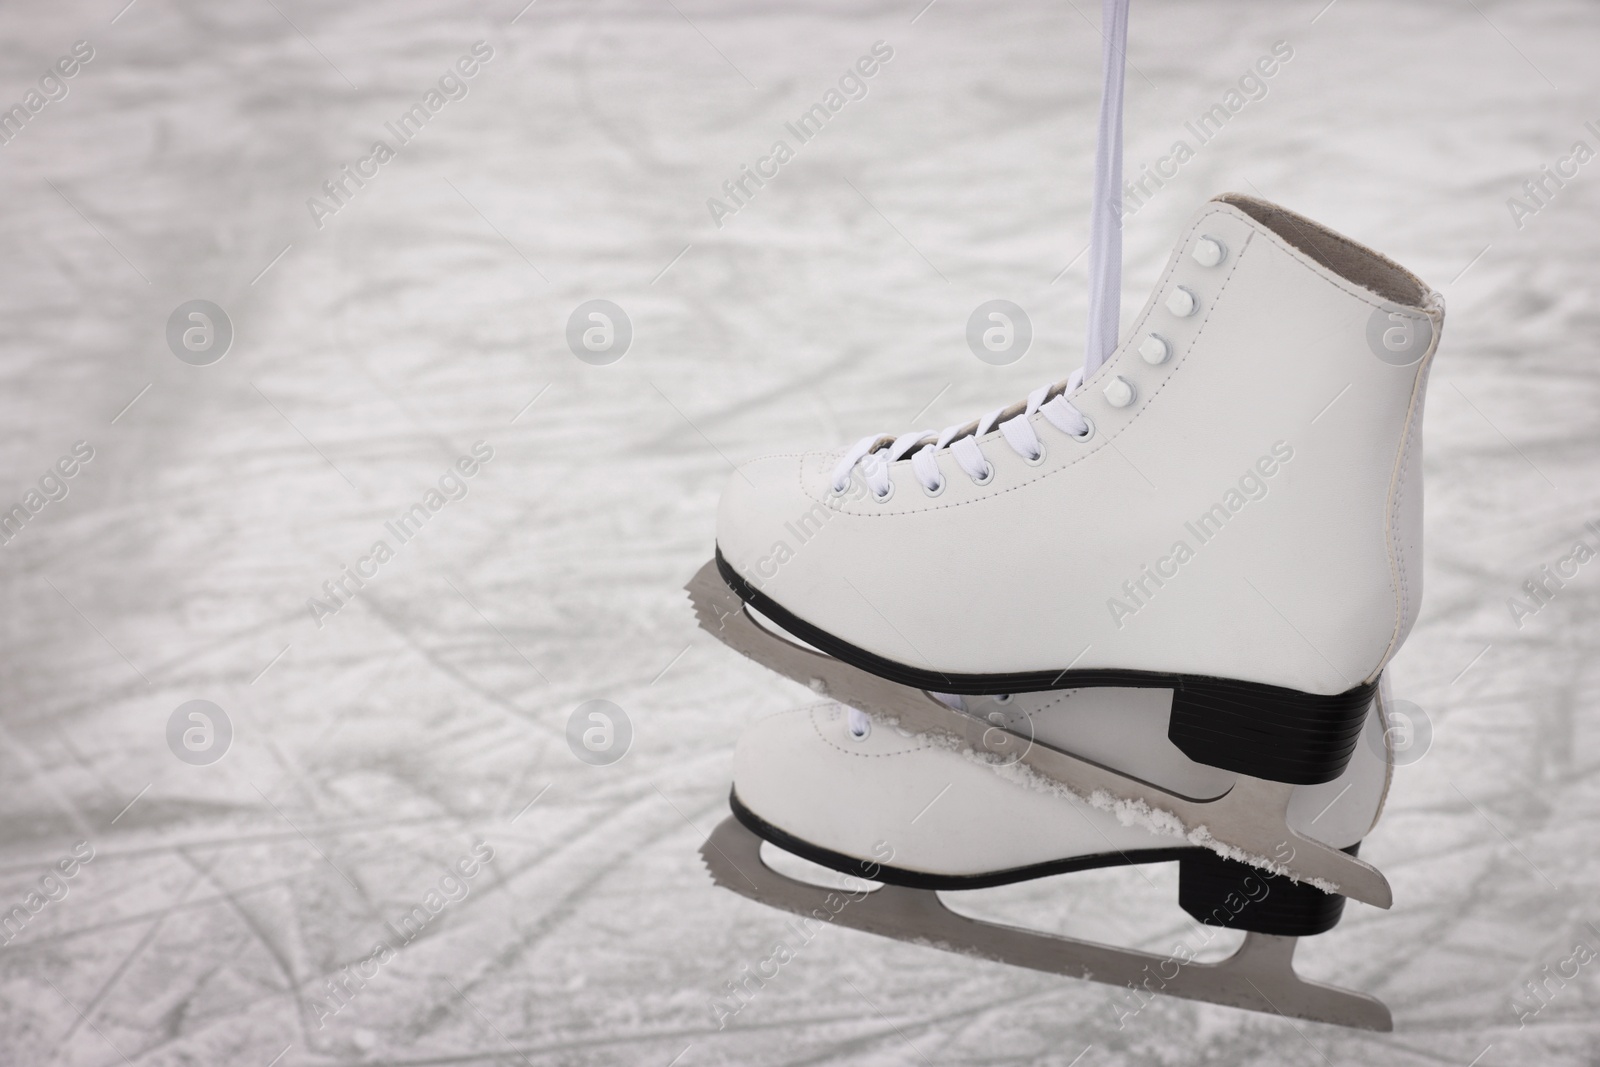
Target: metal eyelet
1155,349
988,475
1086,434
1182,302
850,716
1038,457
883,498
1119,392
1209,251
936,490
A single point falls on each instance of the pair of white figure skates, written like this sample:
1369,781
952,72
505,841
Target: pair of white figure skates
1140,617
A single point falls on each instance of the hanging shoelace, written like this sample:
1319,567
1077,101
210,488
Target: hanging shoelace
875,453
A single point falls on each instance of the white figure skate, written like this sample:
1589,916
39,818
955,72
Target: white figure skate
1228,509
918,815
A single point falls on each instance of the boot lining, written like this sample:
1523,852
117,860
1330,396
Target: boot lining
1338,253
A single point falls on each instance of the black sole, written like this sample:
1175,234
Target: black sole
1213,890
1265,731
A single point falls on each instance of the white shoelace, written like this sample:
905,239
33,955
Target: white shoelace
1105,213
876,452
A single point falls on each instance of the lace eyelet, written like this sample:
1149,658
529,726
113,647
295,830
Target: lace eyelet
1209,251
1155,350
936,490
883,498
1182,302
862,736
838,490
1038,457
1086,434
1004,698
988,475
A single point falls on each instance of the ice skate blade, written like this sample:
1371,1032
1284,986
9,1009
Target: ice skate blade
1259,976
1249,822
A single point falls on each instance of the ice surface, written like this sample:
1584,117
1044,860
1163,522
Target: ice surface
429,311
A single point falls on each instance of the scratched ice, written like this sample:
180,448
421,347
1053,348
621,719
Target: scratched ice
429,710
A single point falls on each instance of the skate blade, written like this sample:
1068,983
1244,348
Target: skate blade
1247,823
1259,976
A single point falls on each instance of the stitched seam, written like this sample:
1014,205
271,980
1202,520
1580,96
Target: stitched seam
1397,545
924,744
1392,534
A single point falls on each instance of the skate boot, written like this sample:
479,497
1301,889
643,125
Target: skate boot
918,815
1228,510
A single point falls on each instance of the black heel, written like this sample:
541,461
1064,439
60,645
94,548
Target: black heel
1266,731
1224,892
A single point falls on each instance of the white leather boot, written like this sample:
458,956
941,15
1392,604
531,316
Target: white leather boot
1229,508
919,814
859,795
